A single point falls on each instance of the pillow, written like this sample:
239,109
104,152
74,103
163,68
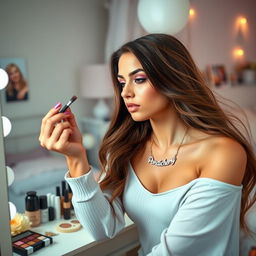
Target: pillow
12,159
33,167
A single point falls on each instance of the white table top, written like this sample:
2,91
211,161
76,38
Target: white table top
64,243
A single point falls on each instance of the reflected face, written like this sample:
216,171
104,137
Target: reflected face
14,75
140,97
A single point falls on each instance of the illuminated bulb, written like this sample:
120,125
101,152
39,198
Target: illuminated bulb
10,175
191,12
239,52
12,209
243,21
3,79
7,126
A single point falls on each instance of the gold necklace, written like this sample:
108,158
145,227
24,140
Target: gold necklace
166,161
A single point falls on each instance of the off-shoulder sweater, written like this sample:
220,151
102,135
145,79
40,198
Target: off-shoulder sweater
200,218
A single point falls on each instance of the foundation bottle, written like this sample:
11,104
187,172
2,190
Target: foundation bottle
32,208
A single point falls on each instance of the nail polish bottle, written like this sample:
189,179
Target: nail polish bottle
66,206
32,208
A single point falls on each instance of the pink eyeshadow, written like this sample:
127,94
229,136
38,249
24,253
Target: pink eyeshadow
18,243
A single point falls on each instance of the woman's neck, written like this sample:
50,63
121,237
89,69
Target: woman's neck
168,130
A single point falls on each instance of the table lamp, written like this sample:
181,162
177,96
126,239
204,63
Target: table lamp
96,84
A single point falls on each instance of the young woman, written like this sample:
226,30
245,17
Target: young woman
17,88
172,159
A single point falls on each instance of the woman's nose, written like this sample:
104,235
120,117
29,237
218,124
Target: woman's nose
127,91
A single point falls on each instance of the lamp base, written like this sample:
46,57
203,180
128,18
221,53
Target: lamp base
101,110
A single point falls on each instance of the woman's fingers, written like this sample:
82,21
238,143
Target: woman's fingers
49,124
52,112
58,130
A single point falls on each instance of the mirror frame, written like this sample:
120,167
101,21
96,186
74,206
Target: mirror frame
5,232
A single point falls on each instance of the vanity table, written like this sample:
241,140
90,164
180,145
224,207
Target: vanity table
81,243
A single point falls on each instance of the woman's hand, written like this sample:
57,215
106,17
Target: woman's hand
60,133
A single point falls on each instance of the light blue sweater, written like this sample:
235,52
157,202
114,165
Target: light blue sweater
200,218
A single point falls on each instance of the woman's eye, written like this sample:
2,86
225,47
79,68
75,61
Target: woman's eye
121,84
140,80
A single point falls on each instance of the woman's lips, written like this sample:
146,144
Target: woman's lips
132,107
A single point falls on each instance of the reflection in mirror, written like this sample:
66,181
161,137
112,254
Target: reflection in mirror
55,39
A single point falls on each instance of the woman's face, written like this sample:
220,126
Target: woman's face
14,75
141,99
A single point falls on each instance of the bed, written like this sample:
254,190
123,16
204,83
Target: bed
35,170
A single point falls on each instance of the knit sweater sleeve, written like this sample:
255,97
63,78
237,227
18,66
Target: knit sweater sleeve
93,208
207,216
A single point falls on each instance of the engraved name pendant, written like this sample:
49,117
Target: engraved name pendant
161,163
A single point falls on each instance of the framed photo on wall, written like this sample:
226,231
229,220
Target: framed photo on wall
217,75
17,88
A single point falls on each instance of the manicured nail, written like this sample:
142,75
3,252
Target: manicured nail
67,112
57,105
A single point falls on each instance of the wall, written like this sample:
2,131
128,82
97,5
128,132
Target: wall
55,38
212,35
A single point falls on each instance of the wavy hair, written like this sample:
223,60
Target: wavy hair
10,85
173,73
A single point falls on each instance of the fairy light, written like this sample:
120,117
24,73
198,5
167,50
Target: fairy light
242,20
192,12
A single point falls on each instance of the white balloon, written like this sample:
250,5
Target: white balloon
7,125
10,175
12,209
163,16
3,79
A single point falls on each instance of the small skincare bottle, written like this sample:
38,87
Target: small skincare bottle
44,209
66,206
32,208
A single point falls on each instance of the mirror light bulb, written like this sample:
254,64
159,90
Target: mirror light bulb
3,79
7,125
10,175
13,210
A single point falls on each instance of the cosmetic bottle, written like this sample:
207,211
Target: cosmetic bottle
32,208
66,206
57,208
70,195
44,212
63,188
57,203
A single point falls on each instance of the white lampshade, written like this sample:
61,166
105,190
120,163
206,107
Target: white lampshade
96,82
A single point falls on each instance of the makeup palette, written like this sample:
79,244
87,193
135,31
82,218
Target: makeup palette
29,242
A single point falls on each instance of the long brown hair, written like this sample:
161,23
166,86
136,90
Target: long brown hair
172,71
10,85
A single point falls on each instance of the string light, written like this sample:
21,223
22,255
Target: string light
238,53
242,20
192,12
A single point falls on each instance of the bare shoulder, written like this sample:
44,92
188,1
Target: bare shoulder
224,159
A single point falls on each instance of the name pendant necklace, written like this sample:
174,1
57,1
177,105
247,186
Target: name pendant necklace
165,162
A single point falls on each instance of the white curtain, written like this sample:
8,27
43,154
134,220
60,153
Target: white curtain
123,25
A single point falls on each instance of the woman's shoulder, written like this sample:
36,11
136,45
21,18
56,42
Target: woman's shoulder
223,159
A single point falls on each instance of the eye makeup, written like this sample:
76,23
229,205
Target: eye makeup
29,242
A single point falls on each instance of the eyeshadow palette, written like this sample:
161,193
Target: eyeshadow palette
28,242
